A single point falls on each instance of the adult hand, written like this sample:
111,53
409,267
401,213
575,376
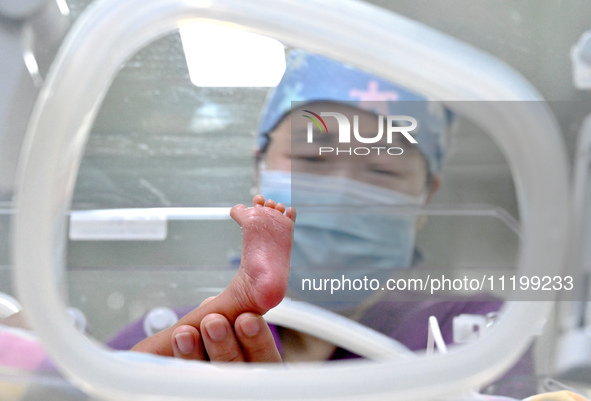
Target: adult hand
205,335
250,340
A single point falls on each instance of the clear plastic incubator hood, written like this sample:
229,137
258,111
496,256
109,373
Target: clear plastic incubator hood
396,48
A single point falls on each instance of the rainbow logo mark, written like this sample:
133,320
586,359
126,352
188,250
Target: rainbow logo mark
315,121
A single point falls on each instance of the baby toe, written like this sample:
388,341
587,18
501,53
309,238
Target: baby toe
258,200
280,207
271,203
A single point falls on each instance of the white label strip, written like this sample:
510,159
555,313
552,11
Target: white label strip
106,225
135,224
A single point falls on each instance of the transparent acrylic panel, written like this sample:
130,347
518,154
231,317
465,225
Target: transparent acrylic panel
165,161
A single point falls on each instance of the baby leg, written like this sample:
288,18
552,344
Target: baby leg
262,279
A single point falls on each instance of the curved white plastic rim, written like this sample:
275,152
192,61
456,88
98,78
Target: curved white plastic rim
111,31
340,331
8,305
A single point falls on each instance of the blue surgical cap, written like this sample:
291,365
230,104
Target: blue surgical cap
310,78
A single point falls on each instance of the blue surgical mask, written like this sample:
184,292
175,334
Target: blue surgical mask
338,237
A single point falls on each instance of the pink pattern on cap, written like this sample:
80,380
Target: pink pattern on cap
373,94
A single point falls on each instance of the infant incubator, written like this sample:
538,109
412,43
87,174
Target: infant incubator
128,129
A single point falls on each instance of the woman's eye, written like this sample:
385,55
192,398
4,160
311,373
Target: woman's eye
311,159
385,172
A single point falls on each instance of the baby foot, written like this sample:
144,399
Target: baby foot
263,276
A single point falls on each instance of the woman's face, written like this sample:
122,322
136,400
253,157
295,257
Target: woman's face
373,241
288,150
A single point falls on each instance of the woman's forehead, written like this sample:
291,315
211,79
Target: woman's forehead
368,133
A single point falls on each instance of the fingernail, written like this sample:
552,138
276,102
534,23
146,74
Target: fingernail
185,343
216,329
250,326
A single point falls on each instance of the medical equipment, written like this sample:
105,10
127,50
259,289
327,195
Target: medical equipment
31,32
78,81
8,305
118,300
159,319
574,343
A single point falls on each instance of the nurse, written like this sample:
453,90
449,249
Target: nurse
351,155
302,159
355,155
363,147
